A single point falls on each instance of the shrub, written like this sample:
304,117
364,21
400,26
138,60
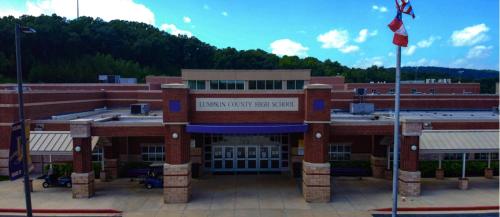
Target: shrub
454,168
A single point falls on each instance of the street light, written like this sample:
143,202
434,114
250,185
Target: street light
27,30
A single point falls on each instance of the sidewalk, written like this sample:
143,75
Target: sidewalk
254,195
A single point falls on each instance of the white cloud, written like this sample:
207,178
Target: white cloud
479,51
363,35
461,63
427,42
107,10
172,29
469,35
288,47
410,50
186,19
368,62
349,49
380,9
10,12
334,39
337,39
224,13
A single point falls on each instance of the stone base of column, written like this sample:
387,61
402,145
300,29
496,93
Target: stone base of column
378,165
463,184
440,174
488,173
409,183
177,183
111,168
82,184
388,174
316,185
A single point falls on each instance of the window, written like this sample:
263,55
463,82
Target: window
97,153
265,85
214,85
339,152
432,91
295,84
153,152
484,156
261,85
454,156
196,84
277,85
227,85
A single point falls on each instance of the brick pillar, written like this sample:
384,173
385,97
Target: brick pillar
177,169
316,184
409,175
82,177
378,159
111,159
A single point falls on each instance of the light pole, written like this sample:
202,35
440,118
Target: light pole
27,189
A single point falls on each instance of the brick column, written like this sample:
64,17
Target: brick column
177,169
378,159
316,184
110,158
409,175
82,177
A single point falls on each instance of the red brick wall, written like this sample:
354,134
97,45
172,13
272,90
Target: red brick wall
242,116
180,95
316,150
424,88
78,86
155,82
177,151
409,158
311,95
82,161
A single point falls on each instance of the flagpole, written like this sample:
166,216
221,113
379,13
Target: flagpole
395,152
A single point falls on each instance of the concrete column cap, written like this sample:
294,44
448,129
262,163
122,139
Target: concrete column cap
174,86
320,165
318,86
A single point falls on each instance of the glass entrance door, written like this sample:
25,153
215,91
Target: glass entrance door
246,158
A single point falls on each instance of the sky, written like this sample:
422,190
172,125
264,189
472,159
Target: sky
448,33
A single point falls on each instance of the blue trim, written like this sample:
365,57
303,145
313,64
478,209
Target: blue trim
246,128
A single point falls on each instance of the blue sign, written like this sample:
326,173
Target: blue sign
174,106
16,153
318,105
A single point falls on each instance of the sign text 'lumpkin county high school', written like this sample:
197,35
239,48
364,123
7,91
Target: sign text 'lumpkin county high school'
247,104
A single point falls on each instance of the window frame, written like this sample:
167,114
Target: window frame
152,154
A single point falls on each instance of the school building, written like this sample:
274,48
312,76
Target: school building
250,121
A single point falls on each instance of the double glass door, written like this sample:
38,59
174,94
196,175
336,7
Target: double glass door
246,158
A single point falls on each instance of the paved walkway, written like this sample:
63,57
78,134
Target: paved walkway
254,195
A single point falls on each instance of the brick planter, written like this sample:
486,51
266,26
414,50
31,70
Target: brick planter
83,184
488,173
316,185
440,174
177,183
409,183
378,165
463,184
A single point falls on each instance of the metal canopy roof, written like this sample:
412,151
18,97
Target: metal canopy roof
459,141
53,143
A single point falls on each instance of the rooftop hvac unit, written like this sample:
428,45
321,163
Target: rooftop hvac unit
139,109
360,91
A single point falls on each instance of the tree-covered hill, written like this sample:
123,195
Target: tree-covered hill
78,50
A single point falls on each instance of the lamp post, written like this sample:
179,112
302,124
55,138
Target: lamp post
27,190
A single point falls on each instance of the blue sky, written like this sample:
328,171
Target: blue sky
450,33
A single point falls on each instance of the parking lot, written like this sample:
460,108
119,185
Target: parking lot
254,195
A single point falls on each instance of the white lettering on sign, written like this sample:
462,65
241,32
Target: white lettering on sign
247,104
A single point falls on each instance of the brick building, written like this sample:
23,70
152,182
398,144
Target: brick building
219,121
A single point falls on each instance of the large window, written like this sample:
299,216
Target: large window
295,84
265,85
484,156
196,84
339,152
454,156
97,153
153,152
227,84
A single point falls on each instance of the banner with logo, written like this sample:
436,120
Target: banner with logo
16,151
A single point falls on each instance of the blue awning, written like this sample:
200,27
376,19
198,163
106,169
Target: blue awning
246,128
